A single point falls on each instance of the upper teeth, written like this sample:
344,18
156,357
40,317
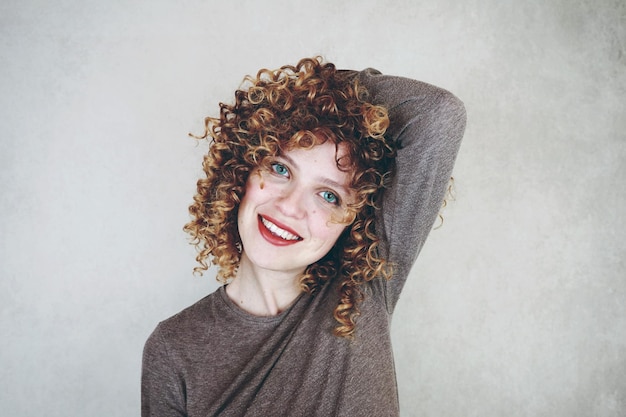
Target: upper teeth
278,231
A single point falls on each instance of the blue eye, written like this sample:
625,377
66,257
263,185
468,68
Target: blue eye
330,197
280,169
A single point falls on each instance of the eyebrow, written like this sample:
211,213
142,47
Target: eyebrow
324,180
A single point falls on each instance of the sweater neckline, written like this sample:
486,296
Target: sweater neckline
234,308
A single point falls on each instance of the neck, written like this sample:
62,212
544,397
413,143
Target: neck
263,292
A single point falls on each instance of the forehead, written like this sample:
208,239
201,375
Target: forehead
306,139
327,162
327,152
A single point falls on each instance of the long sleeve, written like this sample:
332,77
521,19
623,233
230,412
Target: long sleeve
161,391
427,123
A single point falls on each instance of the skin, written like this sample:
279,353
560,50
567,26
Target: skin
287,221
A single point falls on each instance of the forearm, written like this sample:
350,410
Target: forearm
427,124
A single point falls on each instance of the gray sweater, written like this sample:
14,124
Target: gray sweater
214,359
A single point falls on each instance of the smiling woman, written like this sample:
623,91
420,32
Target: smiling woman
280,114
321,187
286,218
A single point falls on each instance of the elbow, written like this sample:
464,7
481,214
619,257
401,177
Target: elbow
449,115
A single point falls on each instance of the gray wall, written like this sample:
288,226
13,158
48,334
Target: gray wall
517,305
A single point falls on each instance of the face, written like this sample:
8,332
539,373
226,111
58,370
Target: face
290,215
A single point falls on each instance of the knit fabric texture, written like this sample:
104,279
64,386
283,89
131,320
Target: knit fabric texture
215,359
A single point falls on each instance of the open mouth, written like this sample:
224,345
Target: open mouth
276,234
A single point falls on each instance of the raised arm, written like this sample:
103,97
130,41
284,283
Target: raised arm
427,123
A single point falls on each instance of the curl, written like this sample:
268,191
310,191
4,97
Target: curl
278,110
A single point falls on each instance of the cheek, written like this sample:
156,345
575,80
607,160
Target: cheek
328,231
254,188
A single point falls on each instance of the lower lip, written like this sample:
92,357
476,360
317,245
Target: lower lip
272,238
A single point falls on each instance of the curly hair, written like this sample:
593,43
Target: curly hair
276,111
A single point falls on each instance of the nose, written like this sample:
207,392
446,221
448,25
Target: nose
291,203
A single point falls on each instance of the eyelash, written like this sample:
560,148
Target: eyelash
282,171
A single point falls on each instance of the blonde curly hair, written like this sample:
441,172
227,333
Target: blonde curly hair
278,110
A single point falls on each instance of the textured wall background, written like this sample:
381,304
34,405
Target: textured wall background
517,306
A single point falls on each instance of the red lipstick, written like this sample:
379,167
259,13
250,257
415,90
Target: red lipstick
271,237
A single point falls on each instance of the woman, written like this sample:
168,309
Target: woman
321,187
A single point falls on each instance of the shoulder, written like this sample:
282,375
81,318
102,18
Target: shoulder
187,324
